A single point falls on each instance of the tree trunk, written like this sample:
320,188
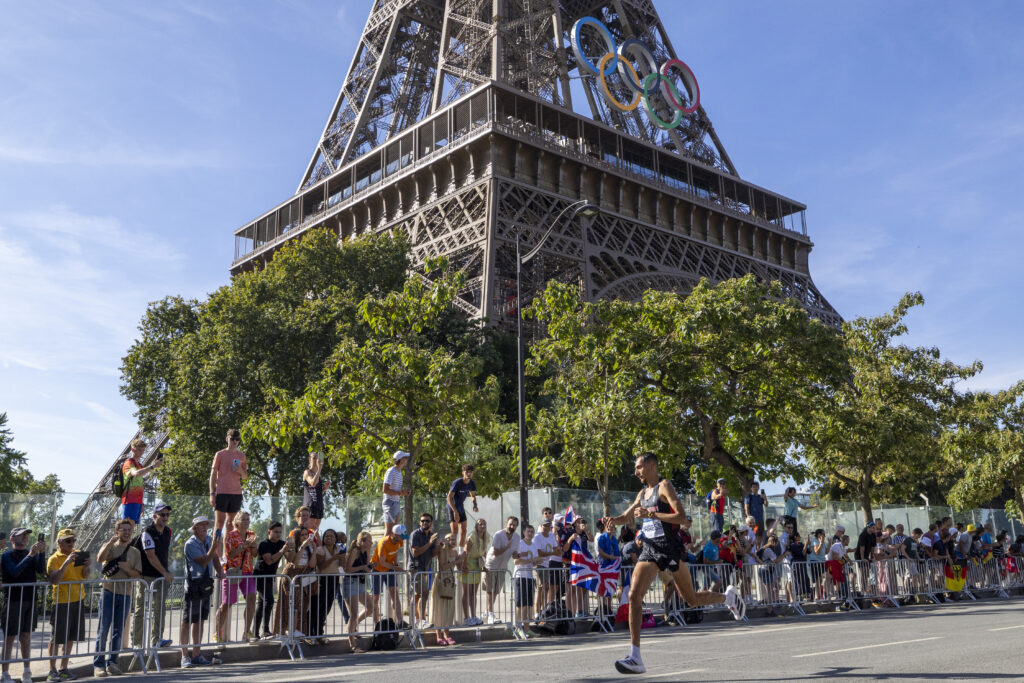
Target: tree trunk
714,451
864,491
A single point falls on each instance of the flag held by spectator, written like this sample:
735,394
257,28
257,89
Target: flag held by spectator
570,516
584,571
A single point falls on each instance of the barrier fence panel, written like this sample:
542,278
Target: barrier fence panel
323,606
71,622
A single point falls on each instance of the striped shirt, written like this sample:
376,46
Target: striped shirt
393,478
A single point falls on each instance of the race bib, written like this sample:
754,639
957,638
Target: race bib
652,528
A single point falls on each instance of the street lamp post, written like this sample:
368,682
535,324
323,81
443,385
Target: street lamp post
580,208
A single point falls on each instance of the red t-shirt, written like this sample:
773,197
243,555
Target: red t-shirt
134,487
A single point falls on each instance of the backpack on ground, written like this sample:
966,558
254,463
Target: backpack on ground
693,616
117,481
385,641
555,619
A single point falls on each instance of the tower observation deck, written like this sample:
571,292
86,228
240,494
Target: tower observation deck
456,125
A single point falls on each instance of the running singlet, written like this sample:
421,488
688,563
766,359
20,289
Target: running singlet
652,502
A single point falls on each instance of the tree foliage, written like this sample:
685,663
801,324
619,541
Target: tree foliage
395,390
988,443
15,476
881,427
218,363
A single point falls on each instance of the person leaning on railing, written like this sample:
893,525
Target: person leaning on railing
154,545
121,561
21,565
353,585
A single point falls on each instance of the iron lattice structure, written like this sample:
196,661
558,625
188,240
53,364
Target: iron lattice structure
456,125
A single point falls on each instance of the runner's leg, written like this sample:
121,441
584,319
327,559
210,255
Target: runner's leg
643,576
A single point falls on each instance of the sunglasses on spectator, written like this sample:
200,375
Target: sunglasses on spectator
426,521
163,514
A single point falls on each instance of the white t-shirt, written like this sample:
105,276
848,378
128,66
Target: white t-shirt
393,478
527,551
502,547
836,552
547,544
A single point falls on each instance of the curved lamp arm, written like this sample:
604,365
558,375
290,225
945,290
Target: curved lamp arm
582,206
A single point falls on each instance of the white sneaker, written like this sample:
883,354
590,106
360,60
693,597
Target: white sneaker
733,602
629,665
490,618
26,676
6,678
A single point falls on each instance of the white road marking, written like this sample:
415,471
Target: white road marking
535,652
1006,628
340,672
866,647
670,673
756,631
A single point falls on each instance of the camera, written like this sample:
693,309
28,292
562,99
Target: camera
81,558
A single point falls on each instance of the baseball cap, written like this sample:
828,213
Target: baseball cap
400,529
721,481
546,522
65,533
160,507
559,518
398,455
743,527
200,519
19,530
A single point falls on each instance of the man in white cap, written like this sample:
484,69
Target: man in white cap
393,490
200,553
21,564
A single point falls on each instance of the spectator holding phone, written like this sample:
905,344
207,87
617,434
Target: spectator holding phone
21,564
121,560
240,547
63,568
227,473
313,487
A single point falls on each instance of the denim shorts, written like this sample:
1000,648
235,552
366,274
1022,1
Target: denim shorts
382,580
392,510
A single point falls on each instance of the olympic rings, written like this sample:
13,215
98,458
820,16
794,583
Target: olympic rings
617,58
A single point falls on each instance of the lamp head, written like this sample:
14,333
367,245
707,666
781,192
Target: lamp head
588,210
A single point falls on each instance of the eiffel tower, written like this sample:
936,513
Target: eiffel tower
459,123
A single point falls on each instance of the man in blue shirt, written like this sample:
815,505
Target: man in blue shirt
754,504
21,564
710,555
456,507
200,553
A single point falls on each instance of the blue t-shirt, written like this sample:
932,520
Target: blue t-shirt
609,546
711,551
756,504
791,507
194,549
461,490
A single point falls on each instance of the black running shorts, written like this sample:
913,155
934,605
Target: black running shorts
662,552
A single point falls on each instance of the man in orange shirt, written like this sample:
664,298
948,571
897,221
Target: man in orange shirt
385,568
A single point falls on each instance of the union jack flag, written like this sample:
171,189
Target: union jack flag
586,572
570,516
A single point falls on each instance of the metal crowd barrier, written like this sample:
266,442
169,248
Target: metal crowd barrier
93,616
315,613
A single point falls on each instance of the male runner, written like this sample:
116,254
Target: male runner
658,509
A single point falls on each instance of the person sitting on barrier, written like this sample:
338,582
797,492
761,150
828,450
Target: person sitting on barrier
65,567
330,557
422,544
503,544
268,556
455,503
472,577
353,585
385,566
200,554
445,589
239,549
121,561
548,549
21,564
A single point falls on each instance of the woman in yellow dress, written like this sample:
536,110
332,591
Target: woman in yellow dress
476,549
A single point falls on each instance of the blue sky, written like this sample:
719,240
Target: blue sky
135,137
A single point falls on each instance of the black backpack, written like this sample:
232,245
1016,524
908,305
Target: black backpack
566,626
693,616
117,481
385,641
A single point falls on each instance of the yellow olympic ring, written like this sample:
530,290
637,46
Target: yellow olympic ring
608,93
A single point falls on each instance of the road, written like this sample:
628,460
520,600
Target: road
964,641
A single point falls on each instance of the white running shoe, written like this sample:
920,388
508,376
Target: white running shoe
629,665
733,602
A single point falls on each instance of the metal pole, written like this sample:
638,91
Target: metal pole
524,501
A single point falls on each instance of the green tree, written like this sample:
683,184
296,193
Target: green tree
988,443
396,390
737,365
216,364
15,476
881,427
601,413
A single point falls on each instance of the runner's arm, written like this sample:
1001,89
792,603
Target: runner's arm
628,514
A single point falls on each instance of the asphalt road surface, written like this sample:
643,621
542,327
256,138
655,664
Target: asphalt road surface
963,641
